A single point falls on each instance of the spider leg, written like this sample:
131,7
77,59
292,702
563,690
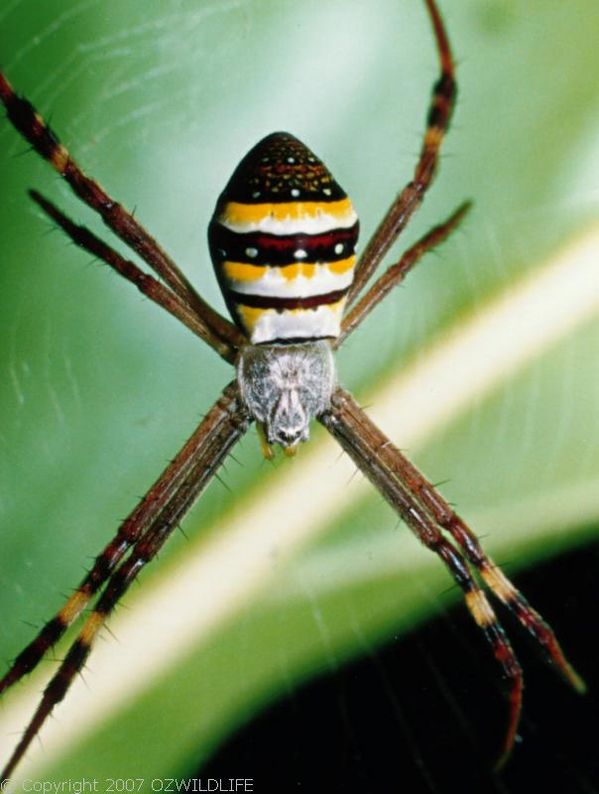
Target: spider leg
223,426
146,284
135,525
396,273
400,212
28,122
491,573
374,455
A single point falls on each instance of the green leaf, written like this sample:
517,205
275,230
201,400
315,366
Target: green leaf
483,367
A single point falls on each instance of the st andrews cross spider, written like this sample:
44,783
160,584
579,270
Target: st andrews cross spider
282,241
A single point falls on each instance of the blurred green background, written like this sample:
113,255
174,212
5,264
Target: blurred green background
98,388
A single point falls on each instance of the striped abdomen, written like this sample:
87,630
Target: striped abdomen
282,240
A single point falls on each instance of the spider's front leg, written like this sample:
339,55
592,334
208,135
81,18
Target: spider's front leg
490,572
143,534
427,514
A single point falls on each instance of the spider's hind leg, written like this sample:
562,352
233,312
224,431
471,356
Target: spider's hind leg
395,274
146,284
31,126
407,202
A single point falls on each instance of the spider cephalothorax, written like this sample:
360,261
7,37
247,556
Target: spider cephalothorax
285,387
282,241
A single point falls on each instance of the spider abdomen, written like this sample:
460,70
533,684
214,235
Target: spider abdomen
282,240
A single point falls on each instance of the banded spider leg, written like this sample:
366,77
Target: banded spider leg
240,219
429,516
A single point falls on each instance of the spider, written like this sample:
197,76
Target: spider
282,240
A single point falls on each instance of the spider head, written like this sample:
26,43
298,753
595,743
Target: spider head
285,386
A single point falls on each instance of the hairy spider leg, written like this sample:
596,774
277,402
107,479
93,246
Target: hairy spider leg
402,209
30,124
396,273
223,426
415,500
146,284
490,572
373,453
133,527
428,503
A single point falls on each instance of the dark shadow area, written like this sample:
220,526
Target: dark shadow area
426,714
